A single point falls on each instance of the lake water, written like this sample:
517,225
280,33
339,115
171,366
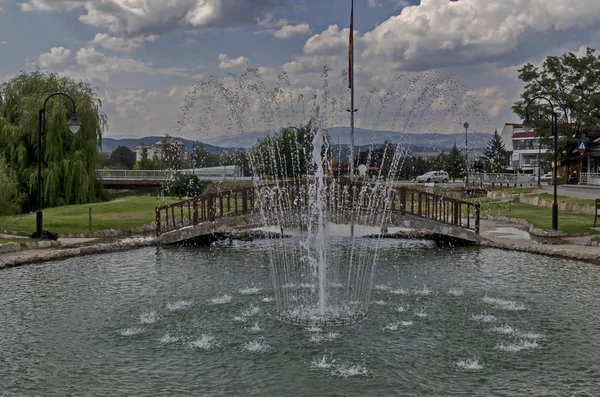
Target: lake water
200,321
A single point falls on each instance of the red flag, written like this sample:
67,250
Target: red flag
351,47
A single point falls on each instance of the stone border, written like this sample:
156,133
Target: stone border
99,234
530,228
28,245
544,249
37,257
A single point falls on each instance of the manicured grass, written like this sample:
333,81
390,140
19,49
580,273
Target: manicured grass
15,240
541,218
120,214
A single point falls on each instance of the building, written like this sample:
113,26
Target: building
524,149
151,152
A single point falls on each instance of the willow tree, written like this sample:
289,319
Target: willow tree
68,160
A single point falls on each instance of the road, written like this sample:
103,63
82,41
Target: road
585,192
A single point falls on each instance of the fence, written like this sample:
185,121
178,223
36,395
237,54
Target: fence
341,199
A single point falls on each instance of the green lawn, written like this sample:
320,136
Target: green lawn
120,214
541,218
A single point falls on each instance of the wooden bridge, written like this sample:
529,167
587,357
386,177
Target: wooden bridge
228,210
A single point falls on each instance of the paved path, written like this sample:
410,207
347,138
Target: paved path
577,191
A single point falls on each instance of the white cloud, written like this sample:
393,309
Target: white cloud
227,63
57,59
102,65
329,41
374,3
156,17
121,44
4,42
2,2
439,33
285,32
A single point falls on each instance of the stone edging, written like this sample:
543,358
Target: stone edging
50,255
16,247
100,234
530,228
543,249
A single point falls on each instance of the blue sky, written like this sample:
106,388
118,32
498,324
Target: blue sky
146,55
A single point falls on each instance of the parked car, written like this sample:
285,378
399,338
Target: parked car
434,176
546,177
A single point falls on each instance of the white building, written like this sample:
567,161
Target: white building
523,148
151,152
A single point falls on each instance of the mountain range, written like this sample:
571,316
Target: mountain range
416,142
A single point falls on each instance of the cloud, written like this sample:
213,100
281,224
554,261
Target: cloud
2,2
57,59
102,65
121,44
4,42
329,41
374,3
155,17
236,63
285,32
441,33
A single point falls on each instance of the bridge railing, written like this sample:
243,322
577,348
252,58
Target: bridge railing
163,175
294,196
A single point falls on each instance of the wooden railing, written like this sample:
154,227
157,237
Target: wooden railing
294,195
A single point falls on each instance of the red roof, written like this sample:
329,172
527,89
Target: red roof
515,125
528,134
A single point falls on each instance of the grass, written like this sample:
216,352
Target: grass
541,218
18,240
120,214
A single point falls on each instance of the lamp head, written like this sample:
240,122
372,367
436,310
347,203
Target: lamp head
74,123
466,125
527,123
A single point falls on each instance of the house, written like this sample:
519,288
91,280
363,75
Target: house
524,149
151,152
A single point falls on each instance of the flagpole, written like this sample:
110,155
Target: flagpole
351,81
352,110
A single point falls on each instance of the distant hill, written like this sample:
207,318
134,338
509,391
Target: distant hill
110,144
426,142
363,139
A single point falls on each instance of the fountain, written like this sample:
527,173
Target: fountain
325,277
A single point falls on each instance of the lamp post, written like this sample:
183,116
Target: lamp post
74,125
539,159
466,125
527,124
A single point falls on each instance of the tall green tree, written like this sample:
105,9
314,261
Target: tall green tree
10,197
495,154
122,156
455,163
69,160
572,84
289,153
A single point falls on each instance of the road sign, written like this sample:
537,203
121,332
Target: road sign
582,147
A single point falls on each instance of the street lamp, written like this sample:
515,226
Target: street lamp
466,125
527,125
74,125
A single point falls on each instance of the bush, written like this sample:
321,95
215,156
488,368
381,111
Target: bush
185,186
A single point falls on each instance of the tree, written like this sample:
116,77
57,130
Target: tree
204,158
572,84
10,197
124,157
455,163
495,154
287,154
69,160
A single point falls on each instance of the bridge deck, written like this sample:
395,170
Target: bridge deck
218,210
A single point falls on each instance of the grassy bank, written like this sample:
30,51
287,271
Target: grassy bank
541,218
120,214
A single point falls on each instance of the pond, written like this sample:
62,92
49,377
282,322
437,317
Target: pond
202,321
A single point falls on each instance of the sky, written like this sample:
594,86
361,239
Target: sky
180,66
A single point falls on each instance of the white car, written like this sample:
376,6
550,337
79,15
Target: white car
546,177
434,176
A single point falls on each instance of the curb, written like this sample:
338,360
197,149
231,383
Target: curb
129,243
